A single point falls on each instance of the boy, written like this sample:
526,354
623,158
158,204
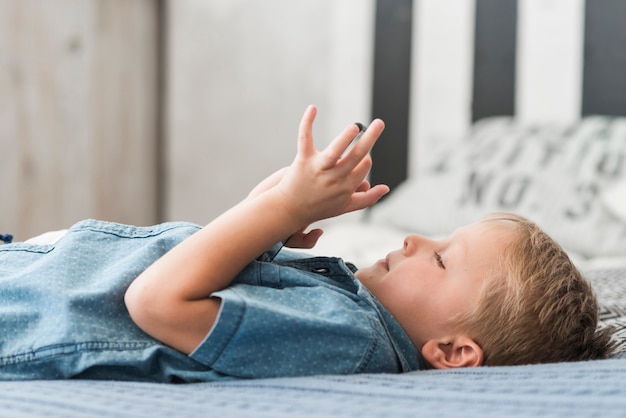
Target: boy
178,303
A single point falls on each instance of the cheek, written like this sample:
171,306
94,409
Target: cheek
456,302
407,292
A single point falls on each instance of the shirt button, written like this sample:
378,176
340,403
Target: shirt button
320,270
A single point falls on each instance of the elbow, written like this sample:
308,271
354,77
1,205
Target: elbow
138,304
177,323
149,309
152,311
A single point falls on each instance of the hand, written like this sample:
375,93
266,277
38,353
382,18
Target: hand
320,185
316,186
267,183
301,239
298,239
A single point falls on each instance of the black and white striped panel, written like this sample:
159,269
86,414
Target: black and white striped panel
391,92
463,60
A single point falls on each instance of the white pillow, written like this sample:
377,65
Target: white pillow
614,199
554,175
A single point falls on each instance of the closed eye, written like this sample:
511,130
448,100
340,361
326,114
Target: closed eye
439,260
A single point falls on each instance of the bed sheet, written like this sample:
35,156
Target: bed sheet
556,390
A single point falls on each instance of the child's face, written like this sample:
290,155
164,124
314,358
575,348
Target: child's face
427,282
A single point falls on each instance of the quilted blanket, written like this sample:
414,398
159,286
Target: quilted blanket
596,388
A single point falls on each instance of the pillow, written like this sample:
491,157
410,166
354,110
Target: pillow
552,174
614,199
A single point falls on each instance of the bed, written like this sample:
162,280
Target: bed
568,175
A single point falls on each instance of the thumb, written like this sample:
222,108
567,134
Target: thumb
302,240
362,200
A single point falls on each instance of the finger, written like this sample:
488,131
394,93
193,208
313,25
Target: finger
306,146
311,238
295,240
302,240
338,146
365,144
360,172
273,179
268,183
366,199
364,186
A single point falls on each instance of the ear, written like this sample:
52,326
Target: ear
452,352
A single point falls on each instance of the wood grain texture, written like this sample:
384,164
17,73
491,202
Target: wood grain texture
77,113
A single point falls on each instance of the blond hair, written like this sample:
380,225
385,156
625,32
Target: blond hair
536,307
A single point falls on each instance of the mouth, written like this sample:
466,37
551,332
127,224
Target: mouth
384,263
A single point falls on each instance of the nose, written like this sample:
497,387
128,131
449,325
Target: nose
414,242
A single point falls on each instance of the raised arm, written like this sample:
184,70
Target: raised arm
171,300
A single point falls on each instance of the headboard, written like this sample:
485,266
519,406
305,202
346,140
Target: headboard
556,60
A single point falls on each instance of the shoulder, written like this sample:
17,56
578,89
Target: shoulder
296,330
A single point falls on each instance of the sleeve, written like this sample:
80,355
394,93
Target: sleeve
295,331
270,254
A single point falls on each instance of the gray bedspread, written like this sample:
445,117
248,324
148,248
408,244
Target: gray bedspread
596,388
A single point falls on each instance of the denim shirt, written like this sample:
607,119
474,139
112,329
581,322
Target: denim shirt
62,314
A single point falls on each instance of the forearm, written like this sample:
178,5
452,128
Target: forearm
209,260
171,300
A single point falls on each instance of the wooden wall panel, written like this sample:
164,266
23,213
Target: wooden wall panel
78,109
